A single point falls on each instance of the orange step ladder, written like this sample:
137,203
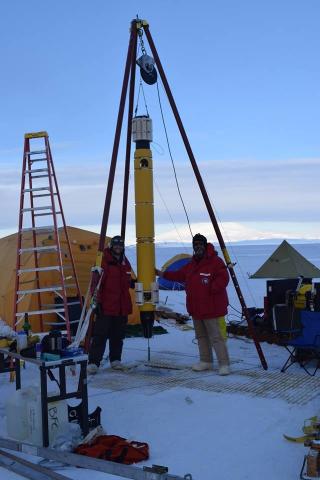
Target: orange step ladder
41,263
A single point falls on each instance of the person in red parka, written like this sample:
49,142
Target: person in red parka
114,306
206,278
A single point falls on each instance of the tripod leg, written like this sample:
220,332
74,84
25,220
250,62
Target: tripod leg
129,131
113,163
115,150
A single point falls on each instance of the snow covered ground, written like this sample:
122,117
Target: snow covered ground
226,428
199,423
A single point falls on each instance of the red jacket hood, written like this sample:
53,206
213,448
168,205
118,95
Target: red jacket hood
211,252
108,255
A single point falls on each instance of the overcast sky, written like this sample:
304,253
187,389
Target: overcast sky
246,79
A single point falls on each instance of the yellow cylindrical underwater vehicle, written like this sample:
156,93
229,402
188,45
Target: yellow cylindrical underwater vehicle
147,293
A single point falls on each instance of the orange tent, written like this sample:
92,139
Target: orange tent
84,245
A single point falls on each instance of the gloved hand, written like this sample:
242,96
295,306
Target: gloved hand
97,269
98,310
94,299
158,273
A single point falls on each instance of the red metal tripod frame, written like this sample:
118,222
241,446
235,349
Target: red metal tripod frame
204,195
130,66
113,163
193,162
129,132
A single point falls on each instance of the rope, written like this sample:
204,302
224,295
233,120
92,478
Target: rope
138,98
157,186
144,96
168,211
172,161
141,46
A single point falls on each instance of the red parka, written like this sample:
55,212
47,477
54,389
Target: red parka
205,282
114,294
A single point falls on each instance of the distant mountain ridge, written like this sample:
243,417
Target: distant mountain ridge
263,241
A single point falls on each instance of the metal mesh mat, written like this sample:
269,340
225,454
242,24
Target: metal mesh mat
292,388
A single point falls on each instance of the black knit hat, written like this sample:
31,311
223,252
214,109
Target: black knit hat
199,238
117,240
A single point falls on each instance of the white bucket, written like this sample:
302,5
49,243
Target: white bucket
16,413
57,418
24,417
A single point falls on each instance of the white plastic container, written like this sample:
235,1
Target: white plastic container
24,417
57,417
22,340
16,413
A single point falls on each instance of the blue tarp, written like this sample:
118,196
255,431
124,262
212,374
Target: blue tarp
173,267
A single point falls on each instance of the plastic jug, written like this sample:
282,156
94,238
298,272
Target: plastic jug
22,340
57,417
16,413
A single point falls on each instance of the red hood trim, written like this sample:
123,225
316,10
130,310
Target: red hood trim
211,252
108,256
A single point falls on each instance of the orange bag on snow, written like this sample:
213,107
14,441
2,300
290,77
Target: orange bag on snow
115,449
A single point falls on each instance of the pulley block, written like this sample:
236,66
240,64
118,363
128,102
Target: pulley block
147,69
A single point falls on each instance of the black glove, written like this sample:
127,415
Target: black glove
133,281
98,310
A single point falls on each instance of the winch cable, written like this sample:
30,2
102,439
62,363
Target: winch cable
141,89
138,99
170,216
177,182
172,161
143,50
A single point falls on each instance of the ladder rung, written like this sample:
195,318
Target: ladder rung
42,269
37,189
33,209
51,248
40,312
36,170
44,195
48,229
36,152
44,214
57,288
40,176
69,303
61,323
36,134
38,160
47,213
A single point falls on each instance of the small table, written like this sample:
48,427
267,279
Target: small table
45,369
